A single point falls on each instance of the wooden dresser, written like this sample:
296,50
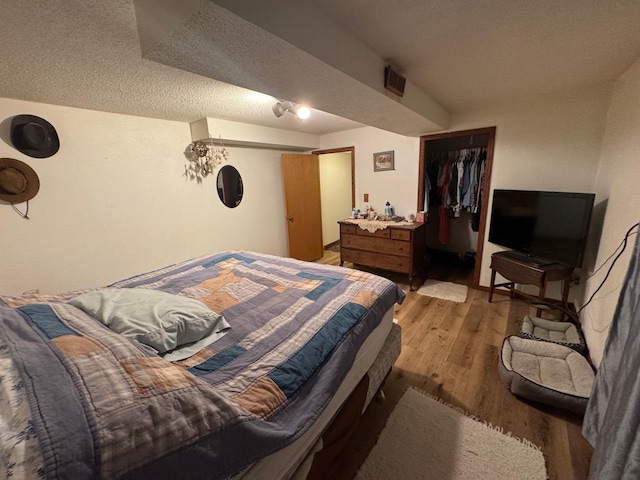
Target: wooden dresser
397,248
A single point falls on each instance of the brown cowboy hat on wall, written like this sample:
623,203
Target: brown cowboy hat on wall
34,136
18,181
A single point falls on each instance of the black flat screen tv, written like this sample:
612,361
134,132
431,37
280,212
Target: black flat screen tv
547,226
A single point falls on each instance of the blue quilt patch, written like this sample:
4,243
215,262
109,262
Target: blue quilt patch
222,258
218,360
43,317
292,374
327,284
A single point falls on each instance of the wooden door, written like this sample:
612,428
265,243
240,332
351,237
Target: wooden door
301,178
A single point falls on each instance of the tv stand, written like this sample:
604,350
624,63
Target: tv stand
519,268
524,257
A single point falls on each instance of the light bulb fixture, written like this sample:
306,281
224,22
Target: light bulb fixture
302,113
283,106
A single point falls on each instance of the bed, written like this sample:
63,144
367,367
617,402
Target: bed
85,394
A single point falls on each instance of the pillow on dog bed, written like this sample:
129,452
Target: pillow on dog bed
546,372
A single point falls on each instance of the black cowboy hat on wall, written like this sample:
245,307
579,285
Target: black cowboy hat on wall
34,136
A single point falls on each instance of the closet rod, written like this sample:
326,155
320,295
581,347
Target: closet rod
455,149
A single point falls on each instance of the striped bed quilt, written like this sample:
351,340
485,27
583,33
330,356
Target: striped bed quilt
103,406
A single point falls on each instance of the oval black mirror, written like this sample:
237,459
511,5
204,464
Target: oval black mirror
230,187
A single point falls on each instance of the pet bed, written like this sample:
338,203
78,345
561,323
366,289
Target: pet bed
562,333
546,372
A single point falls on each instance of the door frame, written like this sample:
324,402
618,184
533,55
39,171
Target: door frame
351,149
486,186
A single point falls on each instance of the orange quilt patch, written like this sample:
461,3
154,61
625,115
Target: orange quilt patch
262,398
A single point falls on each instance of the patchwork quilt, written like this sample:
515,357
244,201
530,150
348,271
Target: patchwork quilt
104,406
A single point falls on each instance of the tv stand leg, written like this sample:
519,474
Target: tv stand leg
541,297
565,298
492,284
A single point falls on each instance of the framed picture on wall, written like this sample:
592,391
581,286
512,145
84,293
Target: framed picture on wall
383,161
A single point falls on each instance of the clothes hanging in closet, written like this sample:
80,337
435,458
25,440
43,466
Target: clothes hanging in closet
453,182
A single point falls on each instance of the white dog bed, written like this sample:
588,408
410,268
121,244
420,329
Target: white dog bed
546,372
562,333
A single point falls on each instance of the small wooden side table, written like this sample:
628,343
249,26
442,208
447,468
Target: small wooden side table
517,268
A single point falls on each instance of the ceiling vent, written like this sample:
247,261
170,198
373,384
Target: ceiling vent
394,81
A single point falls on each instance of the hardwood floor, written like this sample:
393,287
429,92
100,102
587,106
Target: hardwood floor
450,350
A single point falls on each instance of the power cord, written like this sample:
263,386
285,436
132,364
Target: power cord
624,246
607,260
563,307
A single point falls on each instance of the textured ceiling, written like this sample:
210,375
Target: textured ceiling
470,53
214,42
87,54
456,54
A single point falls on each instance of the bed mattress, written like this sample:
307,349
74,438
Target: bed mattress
282,464
302,336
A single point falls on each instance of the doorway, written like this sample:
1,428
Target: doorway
446,220
309,207
337,190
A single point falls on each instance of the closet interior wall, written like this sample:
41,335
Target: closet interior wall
455,178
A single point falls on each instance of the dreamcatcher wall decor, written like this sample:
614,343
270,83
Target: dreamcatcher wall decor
203,157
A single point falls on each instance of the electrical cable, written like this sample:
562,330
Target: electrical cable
624,246
563,307
606,261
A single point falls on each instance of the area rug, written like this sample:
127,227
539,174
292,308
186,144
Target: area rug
425,439
333,247
444,290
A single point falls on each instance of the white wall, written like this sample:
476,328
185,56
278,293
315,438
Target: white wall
544,143
335,193
113,202
399,186
617,181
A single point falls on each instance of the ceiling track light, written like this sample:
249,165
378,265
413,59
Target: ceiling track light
283,106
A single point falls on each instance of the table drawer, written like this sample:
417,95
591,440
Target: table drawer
392,263
515,272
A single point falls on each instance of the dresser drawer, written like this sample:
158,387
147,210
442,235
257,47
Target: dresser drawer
398,234
385,233
392,263
373,244
348,229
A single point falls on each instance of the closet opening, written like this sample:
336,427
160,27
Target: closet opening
453,190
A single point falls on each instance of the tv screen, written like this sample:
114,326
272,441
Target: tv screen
550,226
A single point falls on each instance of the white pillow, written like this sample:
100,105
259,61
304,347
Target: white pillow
160,320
